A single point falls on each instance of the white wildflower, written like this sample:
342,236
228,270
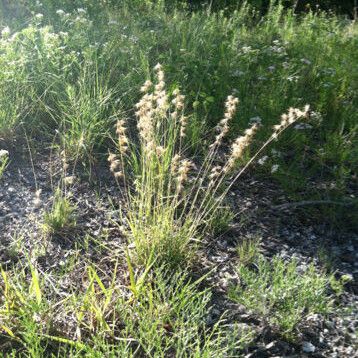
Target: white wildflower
262,160
292,78
276,153
274,168
39,16
316,116
3,153
5,33
306,61
257,120
302,126
238,73
246,49
60,12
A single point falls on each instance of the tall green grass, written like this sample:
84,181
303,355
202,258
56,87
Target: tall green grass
168,316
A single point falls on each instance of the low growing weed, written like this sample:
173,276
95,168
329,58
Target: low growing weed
23,310
281,295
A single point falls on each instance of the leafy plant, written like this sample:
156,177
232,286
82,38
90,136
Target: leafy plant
281,295
168,316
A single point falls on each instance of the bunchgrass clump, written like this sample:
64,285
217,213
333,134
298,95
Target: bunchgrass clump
61,215
281,295
86,115
248,250
171,200
221,220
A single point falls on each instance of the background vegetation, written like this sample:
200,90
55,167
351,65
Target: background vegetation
80,69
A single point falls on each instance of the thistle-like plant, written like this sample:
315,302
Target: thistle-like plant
170,200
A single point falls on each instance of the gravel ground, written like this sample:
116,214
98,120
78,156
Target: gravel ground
281,232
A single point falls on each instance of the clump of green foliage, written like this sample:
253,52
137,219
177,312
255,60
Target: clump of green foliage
281,295
166,316
23,309
248,251
61,216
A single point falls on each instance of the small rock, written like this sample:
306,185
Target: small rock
215,312
308,347
271,345
350,248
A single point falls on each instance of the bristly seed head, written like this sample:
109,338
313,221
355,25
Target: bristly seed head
118,175
111,157
223,126
288,118
115,164
183,172
240,144
146,86
175,163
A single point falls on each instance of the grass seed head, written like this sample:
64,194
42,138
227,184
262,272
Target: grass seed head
223,126
115,164
146,86
111,157
240,144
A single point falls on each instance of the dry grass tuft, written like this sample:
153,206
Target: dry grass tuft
170,198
